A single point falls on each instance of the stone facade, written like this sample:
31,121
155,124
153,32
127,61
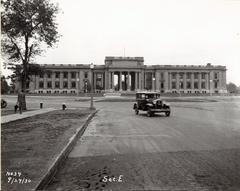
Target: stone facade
129,74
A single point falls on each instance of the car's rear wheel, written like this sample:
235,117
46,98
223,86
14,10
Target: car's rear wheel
136,111
167,113
149,113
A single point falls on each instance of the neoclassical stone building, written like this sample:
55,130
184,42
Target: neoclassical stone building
129,74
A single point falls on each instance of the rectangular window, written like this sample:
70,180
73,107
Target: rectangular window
49,75
215,75
173,85
73,84
57,75
162,75
173,75
41,75
188,75
181,85
99,76
49,84
57,85
195,75
162,85
195,85
40,84
203,76
73,75
181,75
203,85
65,75
85,74
188,85
215,85
65,84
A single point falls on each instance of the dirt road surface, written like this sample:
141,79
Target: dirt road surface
196,148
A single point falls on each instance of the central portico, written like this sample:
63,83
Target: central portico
124,73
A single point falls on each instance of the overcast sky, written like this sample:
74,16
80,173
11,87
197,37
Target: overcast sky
193,32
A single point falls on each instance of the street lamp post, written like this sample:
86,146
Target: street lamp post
210,87
154,83
91,67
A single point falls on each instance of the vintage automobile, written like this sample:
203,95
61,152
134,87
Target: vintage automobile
151,102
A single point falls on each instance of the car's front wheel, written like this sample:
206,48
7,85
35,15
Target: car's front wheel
149,113
136,111
167,113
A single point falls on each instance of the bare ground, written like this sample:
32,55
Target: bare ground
186,171
30,145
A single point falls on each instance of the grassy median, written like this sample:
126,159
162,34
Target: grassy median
30,145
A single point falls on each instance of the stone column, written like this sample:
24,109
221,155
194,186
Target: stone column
207,81
200,81
81,83
145,80
128,81
113,80
142,80
95,81
177,81
211,87
192,80
166,81
53,80
157,77
77,80
61,80
106,80
139,81
153,81
45,81
184,81
110,80
136,81
170,81
69,80
120,81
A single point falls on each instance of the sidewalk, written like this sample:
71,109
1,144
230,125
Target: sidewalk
14,117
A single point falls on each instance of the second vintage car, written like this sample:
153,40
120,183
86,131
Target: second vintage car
151,102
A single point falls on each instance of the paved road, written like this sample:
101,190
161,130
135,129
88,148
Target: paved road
196,148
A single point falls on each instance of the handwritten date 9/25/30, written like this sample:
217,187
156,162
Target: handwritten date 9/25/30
113,178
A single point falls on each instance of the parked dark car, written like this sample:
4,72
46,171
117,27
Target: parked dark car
3,103
151,102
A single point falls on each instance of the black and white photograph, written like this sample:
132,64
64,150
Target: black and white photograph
120,95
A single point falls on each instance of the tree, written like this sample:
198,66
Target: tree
26,26
4,85
231,88
33,69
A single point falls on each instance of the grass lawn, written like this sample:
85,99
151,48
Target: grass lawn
30,145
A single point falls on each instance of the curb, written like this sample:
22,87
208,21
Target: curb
52,170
